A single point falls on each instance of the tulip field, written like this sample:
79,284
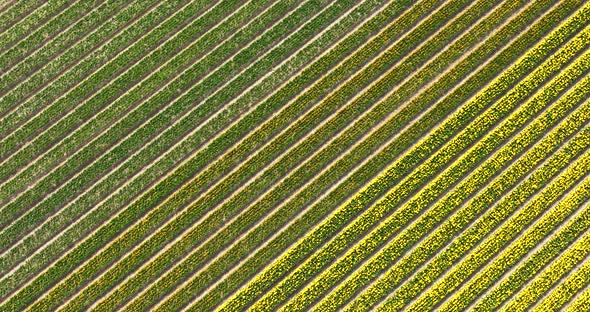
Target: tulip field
283,155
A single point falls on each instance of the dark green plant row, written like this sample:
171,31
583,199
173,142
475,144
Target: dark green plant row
171,183
46,34
282,142
17,11
35,94
51,127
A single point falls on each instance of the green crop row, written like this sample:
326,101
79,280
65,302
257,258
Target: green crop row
170,160
29,23
460,272
570,286
137,141
34,60
264,205
405,266
131,121
367,220
265,279
124,170
453,199
162,190
308,31
185,223
93,291
527,296
91,66
45,33
78,83
581,303
314,86
15,13
96,103
340,30
373,166
135,164
528,269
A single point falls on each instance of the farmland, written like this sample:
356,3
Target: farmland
312,155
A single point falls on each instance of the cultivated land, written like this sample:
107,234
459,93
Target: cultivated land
288,155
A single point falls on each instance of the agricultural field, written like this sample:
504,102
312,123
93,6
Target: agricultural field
294,155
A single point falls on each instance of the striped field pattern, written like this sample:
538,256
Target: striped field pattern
294,155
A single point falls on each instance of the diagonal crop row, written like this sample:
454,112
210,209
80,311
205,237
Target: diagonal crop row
136,137
366,247
26,66
161,43
159,114
511,256
390,104
311,30
169,184
559,297
29,23
158,146
271,268
525,271
5,6
581,303
561,268
109,39
130,26
494,242
418,178
58,24
169,161
402,241
577,253
559,284
479,230
271,199
490,221
352,41
371,5
334,198
240,17
27,107
16,12
116,133
233,232
395,275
